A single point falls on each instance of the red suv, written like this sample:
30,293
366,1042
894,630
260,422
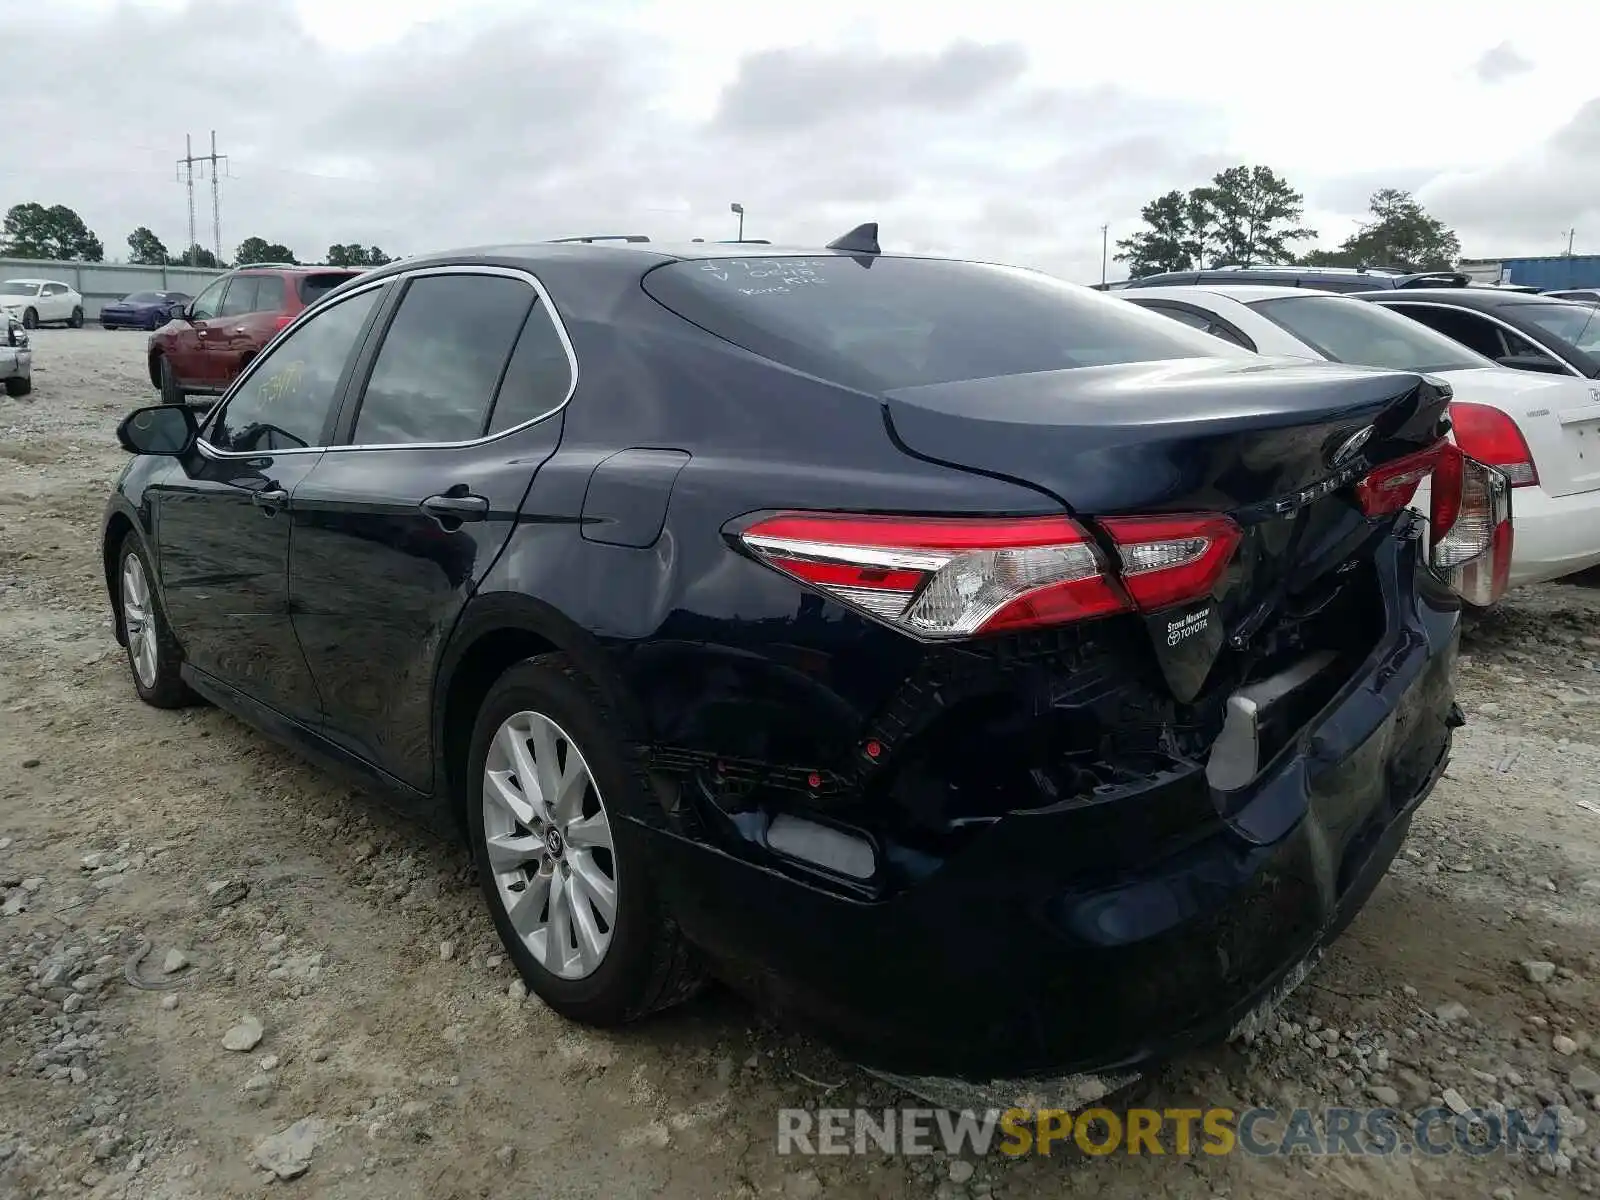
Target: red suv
224,327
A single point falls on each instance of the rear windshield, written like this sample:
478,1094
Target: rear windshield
315,287
1574,322
144,298
1364,335
885,323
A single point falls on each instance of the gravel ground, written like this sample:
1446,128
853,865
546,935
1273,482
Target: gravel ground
344,984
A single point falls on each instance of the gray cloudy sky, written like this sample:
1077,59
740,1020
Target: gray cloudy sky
1003,129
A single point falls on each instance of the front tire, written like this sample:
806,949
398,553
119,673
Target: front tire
76,320
18,386
564,873
171,393
153,653
30,319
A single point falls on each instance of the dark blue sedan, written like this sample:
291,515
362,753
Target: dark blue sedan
143,310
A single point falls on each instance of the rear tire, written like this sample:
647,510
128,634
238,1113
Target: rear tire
76,320
644,964
171,393
18,386
152,651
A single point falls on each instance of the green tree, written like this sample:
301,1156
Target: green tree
1167,245
1254,216
145,248
1400,234
259,250
198,256
34,231
356,255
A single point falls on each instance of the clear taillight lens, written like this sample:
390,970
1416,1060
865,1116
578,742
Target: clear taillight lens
1469,515
938,578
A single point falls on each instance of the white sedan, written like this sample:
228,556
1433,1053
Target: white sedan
37,302
1542,430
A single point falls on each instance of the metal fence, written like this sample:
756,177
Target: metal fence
101,283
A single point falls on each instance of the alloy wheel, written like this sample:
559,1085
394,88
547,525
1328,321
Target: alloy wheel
549,845
138,620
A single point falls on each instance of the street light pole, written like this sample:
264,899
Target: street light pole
739,208
1104,237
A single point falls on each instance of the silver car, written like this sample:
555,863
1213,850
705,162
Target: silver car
16,359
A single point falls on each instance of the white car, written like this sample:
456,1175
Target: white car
37,302
1542,430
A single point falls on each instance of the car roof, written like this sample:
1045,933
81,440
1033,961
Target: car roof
1244,293
31,279
1465,297
292,269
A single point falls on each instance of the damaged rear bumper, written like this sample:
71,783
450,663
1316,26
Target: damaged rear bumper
1065,940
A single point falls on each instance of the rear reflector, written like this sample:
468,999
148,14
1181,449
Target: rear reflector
1492,437
956,577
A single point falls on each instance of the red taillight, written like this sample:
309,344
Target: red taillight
957,577
1492,437
1469,512
282,323
1393,486
1166,560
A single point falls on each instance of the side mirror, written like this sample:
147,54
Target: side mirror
167,429
1533,362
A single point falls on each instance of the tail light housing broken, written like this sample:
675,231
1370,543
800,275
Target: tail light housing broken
1469,513
941,578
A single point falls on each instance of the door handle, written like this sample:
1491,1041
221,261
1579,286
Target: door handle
238,328
271,499
456,508
199,333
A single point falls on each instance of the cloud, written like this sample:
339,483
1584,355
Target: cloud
542,121
1526,204
1499,63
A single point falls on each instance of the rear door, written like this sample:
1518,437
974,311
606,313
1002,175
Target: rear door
453,412
248,321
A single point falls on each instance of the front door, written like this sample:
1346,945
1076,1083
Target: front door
189,339
394,529
223,523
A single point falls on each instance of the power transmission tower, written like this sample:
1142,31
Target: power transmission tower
187,162
187,178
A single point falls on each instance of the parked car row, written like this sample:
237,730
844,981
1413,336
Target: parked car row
814,616
1541,429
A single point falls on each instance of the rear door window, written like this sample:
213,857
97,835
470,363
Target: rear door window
240,298
1364,335
440,366
881,323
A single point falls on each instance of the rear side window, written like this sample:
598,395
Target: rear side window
539,377
883,323
314,287
1364,335
442,359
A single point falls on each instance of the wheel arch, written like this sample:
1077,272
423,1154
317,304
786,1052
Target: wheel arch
153,362
494,633
117,528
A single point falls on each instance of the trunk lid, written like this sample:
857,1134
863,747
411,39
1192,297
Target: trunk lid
1559,419
1270,443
